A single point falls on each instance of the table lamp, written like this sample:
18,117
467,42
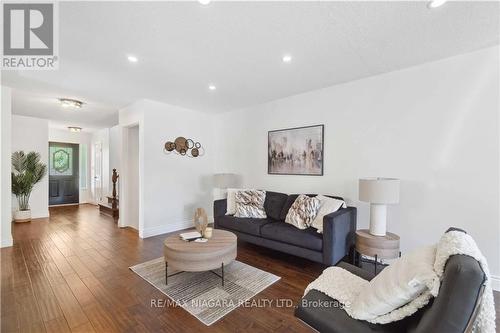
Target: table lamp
379,192
223,181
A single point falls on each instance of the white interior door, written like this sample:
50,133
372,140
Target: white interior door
97,172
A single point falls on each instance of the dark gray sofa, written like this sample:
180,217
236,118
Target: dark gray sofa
327,248
453,311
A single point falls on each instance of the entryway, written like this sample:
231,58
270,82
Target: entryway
63,173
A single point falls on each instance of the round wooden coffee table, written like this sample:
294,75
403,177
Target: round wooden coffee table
194,256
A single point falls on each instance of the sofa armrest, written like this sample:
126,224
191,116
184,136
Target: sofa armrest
339,229
220,207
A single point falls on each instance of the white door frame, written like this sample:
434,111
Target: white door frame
124,176
97,171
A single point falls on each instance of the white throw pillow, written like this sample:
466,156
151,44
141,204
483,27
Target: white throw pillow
327,206
398,284
231,200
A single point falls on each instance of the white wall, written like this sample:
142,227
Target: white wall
171,186
83,140
102,137
32,134
5,168
115,148
434,126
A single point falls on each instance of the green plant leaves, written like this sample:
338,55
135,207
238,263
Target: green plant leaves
27,171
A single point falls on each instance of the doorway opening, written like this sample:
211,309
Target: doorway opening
132,183
64,180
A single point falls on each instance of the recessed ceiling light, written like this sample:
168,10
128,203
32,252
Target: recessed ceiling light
70,103
75,129
436,3
204,2
287,58
132,58
212,87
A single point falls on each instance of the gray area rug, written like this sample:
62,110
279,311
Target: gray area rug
201,293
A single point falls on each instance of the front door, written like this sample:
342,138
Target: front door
63,173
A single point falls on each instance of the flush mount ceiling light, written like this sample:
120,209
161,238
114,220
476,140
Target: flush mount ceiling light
212,87
75,129
436,3
70,103
204,2
287,58
132,58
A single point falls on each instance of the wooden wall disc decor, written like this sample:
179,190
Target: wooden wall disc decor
181,144
200,220
184,147
169,146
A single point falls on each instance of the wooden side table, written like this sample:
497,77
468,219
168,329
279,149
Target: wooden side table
379,247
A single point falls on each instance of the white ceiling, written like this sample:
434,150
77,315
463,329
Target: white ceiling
183,47
90,117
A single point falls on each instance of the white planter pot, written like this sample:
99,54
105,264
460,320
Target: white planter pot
22,216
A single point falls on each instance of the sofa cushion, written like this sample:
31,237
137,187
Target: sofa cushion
250,204
287,233
326,315
398,285
274,204
289,202
247,225
291,199
328,205
303,211
231,200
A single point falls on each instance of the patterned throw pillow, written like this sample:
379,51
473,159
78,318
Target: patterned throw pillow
303,211
250,203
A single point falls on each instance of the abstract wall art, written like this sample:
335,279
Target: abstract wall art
296,151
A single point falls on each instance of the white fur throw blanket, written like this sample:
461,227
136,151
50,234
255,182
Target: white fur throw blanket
345,286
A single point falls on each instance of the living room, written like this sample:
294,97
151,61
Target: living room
307,145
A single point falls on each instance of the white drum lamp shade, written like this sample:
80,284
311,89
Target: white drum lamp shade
379,192
223,181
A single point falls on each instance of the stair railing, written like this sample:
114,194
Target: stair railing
114,179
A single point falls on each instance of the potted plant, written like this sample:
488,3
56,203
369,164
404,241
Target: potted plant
27,172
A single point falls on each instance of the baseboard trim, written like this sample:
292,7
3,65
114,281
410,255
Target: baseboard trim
6,242
171,227
134,230
34,218
65,205
495,282
163,229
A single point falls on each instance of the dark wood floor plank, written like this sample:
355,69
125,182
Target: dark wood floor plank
57,325
69,305
70,273
85,328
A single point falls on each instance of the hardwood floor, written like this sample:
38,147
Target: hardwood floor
70,274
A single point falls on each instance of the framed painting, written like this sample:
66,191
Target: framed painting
296,151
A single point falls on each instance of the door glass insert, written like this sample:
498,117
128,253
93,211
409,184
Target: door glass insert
61,161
